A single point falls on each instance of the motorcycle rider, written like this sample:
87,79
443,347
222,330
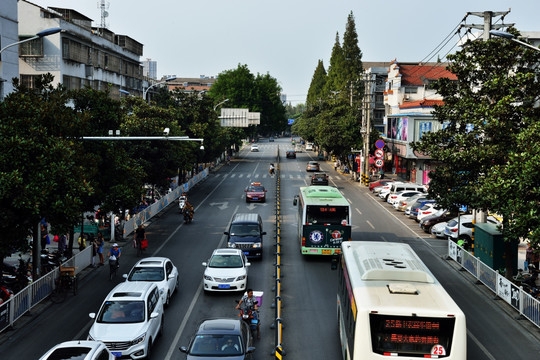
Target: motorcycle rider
271,170
250,303
188,210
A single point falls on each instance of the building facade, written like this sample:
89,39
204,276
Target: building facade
79,56
189,85
150,69
409,100
9,34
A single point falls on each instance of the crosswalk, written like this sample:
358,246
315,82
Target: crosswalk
248,175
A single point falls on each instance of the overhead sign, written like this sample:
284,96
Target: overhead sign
379,144
290,121
379,153
379,163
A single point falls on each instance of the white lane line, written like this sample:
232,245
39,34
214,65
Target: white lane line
370,224
358,211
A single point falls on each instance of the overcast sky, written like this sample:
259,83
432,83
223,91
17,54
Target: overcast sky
286,38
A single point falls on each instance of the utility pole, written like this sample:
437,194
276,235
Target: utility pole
488,22
365,130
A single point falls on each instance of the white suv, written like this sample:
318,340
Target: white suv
130,320
465,227
226,271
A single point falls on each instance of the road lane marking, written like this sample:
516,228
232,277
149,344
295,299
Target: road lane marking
358,211
370,224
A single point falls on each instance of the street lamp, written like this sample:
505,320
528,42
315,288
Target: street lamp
506,35
40,34
156,84
221,103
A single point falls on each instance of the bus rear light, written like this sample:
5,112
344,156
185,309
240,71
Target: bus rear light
303,241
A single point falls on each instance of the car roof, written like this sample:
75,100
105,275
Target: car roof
130,290
219,326
92,346
313,162
151,261
227,251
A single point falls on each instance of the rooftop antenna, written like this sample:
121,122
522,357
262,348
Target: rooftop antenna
103,6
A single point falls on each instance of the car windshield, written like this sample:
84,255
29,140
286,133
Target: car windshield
121,312
256,189
69,353
216,345
244,230
452,223
226,261
147,274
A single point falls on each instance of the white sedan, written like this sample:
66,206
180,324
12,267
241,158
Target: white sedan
159,270
226,271
254,147
79,349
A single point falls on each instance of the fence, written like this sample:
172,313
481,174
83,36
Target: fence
37,291
154,209
519,300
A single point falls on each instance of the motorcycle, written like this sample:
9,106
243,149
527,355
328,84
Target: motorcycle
50,260
17,278
188,215
251,318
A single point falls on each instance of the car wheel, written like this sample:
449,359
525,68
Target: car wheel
168,299
160,333
149,350
177,284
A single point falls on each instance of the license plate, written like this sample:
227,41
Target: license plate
116,353
246,252
224,286
255,198
327,252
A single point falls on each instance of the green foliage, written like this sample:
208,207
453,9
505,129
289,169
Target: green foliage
316,88
488,155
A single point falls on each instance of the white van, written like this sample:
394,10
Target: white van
309,146
401,186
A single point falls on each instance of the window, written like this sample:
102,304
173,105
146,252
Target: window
411,90
29,81
31,48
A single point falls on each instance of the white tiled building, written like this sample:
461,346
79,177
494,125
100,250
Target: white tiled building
79,56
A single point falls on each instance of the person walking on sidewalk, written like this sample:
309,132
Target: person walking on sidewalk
100,241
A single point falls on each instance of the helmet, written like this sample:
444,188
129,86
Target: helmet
115,245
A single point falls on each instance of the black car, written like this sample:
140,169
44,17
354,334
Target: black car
291,154
220,339
427,223
319,179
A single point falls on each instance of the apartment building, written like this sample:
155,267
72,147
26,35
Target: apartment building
9,34
202,83
409,100
80,55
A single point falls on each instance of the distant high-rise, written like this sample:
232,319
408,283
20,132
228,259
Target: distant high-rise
150,68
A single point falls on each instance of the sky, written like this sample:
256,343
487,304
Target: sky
287,38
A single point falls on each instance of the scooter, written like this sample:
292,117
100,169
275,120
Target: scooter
182,202
50,260
247,315
188,215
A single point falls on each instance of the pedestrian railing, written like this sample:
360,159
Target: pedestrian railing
526,305
22,302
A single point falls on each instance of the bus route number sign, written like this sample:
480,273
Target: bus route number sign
438,350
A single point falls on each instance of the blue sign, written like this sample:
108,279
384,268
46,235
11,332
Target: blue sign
290,121
379,144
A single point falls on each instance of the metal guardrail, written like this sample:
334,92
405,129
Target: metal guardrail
278,323
39,290
526,305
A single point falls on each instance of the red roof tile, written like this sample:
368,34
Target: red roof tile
415,75
421,103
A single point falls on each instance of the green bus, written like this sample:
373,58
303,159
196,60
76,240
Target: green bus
324,220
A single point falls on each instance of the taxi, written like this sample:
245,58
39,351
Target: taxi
255,192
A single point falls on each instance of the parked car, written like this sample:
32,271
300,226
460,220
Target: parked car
79,349
394,199
427,210
383,194
313,166
441,216
254,147
465,227
270,139
255,192
129,320
291,154
438,229
403,204
381,182
159,270
413,213
226,270
212,339
319,179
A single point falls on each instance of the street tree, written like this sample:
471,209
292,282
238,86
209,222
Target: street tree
487,151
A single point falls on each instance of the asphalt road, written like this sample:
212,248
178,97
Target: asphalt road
309,285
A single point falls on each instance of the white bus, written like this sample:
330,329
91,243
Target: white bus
390,305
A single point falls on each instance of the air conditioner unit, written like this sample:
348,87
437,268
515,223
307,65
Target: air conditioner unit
406,97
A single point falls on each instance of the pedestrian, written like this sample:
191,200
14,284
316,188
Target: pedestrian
115,253
100,241
62,243
532,257
93,243
336,165
82,242
44,235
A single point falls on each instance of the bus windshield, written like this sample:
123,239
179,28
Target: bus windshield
333,215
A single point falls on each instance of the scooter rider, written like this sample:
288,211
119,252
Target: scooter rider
250,303
271,171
